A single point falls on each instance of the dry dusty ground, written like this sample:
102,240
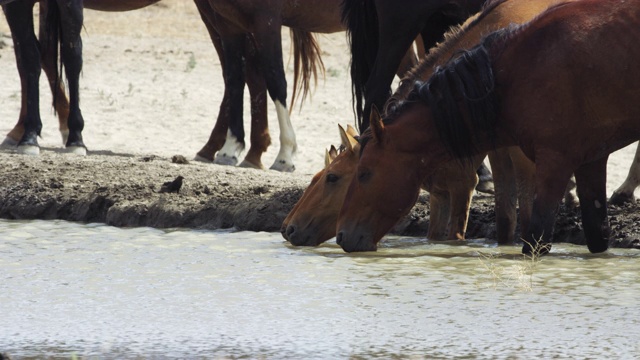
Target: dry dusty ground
151,88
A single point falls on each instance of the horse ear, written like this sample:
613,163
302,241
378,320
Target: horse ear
348,141
375,122
330,155
352,131
333,153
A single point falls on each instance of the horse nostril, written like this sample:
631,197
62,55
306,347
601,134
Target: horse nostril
339,238
290,230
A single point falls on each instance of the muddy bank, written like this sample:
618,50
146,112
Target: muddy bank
123,190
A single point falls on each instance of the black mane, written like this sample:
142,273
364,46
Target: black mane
462,98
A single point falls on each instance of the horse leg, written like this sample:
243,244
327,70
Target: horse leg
505,194
260,139
439,210
591,182
625,192
231,109
48,59
20,19
219,132
525,171
461,192
269,45
391,50
551,181
71,17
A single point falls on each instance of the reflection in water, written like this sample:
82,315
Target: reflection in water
94,290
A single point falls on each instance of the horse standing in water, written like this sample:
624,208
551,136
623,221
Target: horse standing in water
313,219
553,86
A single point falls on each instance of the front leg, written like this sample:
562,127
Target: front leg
552,176
20,19
269,46
591,182
71,18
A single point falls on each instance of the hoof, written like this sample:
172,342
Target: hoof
76,150
203,159
224,159
283,166
538,250
8,143
33,150
486,186
250,165
620,198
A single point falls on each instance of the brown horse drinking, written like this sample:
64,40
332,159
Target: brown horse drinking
313,219
563,87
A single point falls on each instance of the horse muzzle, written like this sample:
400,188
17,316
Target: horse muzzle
355,241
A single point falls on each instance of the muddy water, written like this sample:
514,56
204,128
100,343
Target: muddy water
94,291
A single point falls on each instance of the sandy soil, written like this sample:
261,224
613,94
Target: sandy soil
150,89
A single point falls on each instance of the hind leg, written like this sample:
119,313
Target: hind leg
591,182
260,139
269,45
20,19
625,192
71,17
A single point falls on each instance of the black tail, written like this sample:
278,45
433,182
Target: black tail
50,43
361,20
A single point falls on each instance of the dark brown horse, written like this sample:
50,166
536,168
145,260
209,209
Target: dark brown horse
563,87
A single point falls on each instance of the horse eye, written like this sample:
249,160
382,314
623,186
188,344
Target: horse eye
332,178
364,176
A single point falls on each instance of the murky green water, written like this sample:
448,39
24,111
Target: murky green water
101,292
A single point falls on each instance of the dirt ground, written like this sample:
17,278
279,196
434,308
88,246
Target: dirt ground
150,89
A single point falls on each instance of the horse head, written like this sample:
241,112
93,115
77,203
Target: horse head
313,219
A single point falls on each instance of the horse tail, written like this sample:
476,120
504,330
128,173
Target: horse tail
50,34
307,63
361,20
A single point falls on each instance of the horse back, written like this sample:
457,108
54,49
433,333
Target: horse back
574,69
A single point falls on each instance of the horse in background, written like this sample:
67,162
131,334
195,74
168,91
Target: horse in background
380,32
552,86
64,19
48,60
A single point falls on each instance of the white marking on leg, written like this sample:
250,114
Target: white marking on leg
288,145
230,152
597,204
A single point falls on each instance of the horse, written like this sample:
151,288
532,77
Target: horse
48,59
552,86
380,32
65,21
313,219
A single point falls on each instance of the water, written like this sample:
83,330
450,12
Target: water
94,291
